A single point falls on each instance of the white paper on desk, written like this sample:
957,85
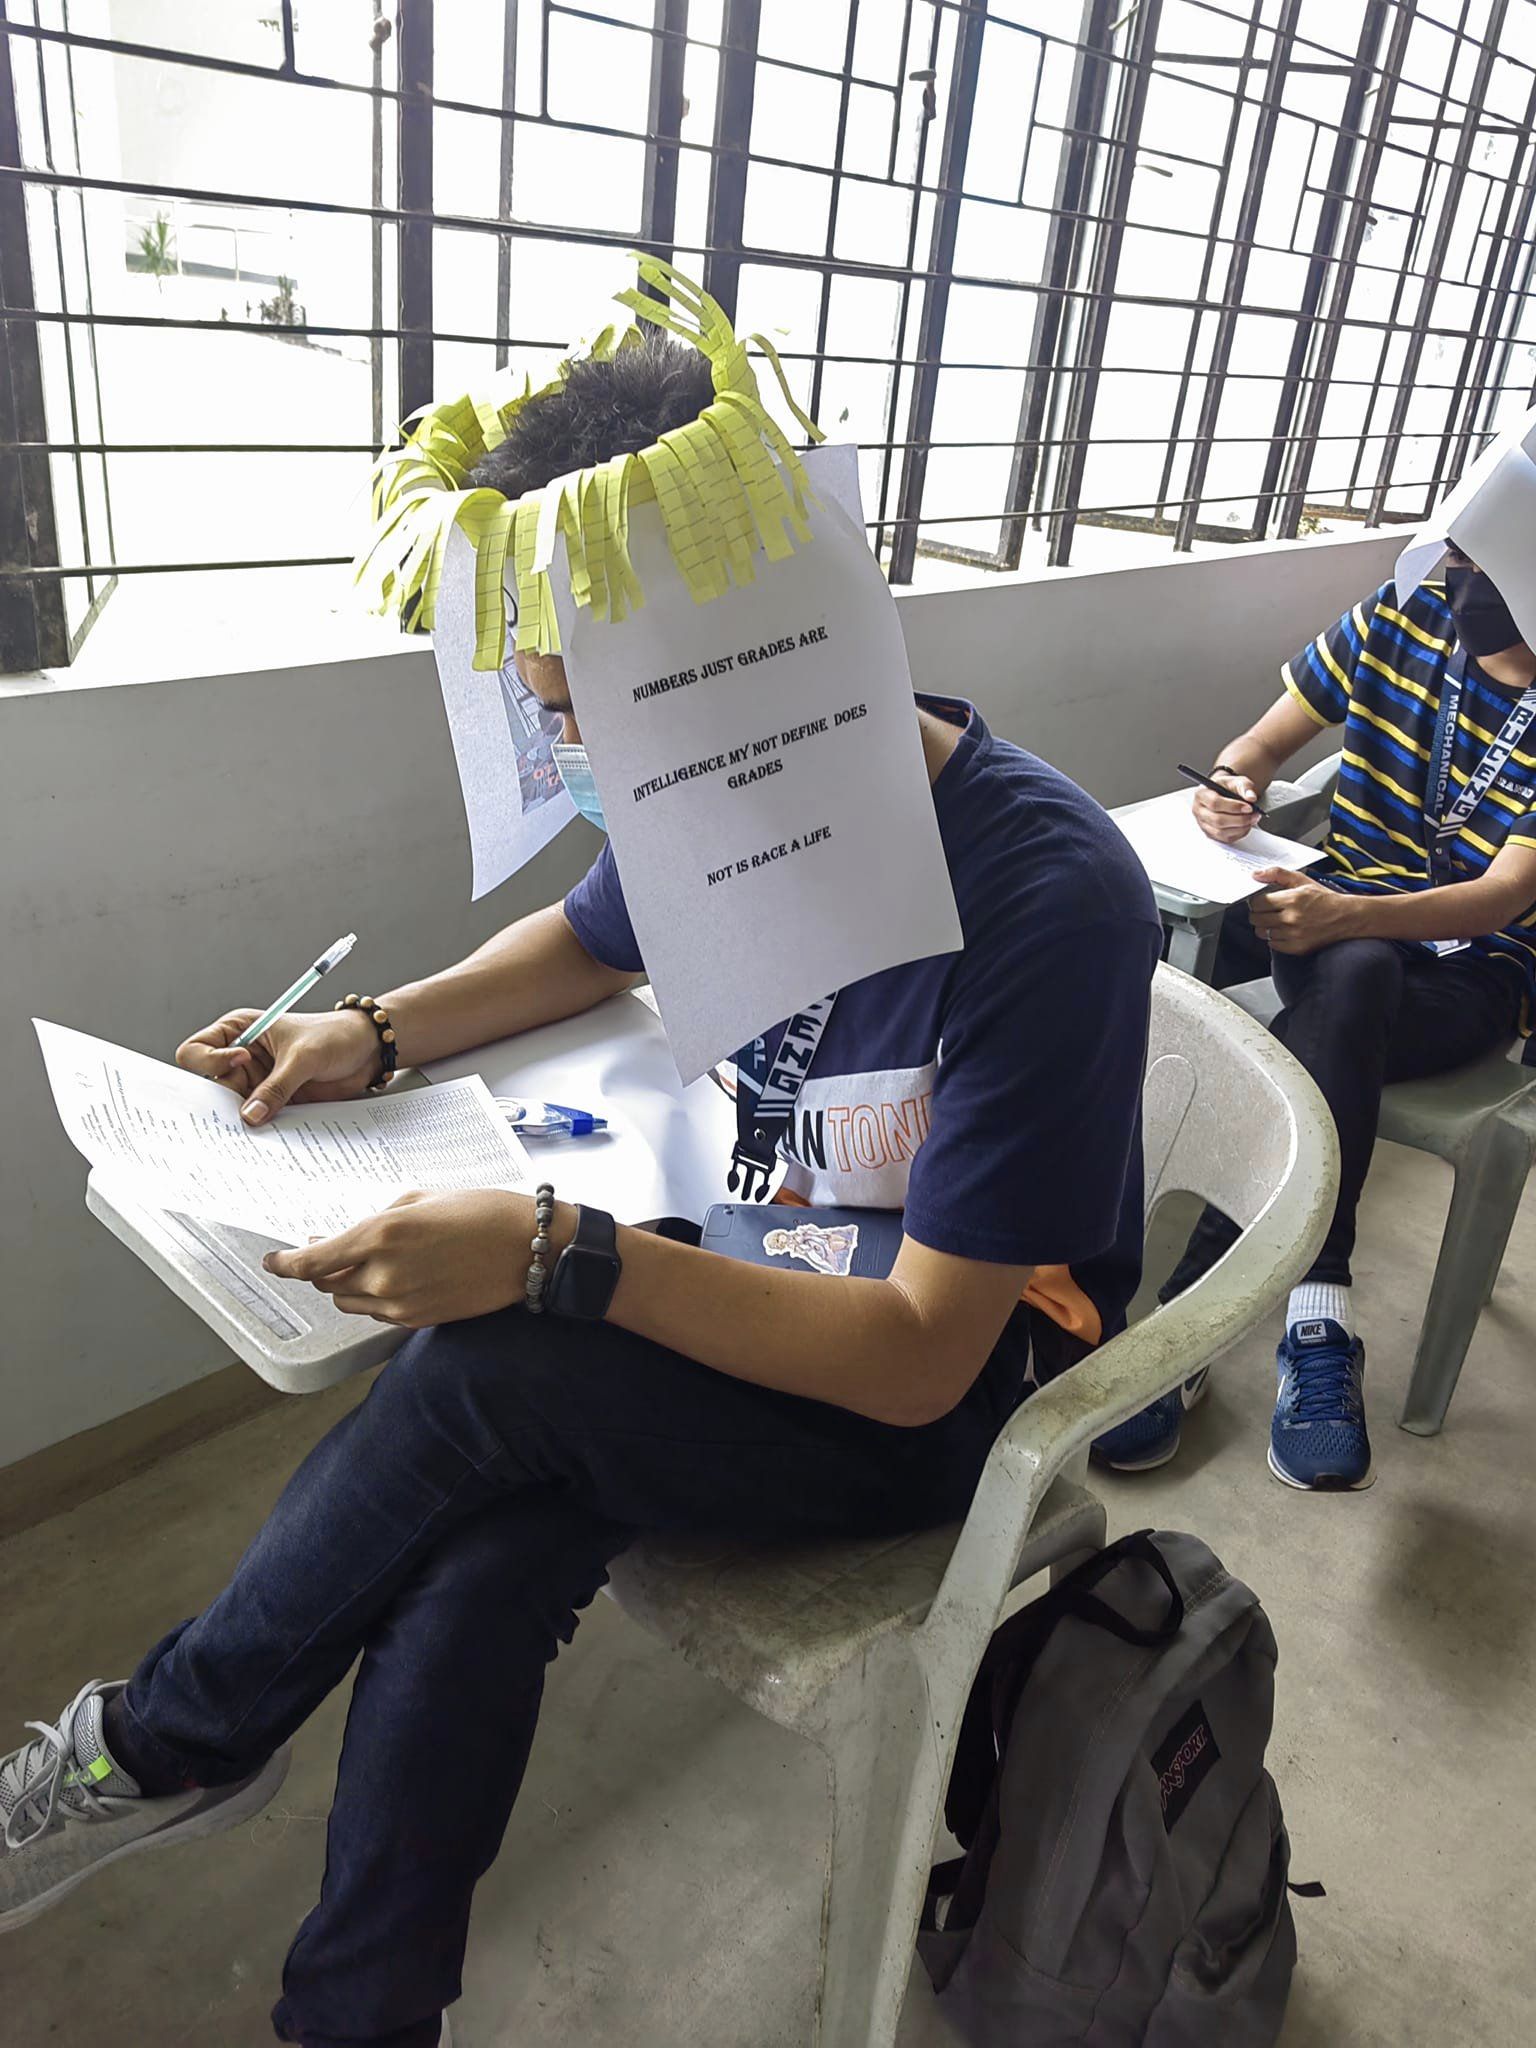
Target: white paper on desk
1174,851
1490,515
175,1141
667,1147
514,799
750,901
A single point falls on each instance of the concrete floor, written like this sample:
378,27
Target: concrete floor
659,1886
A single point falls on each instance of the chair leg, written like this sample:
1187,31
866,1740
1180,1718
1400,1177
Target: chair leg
1487,1193
887,1747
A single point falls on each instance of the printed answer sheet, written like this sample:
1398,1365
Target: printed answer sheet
175,1141
1174,851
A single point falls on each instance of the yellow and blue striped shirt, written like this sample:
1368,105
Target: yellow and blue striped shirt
1379,673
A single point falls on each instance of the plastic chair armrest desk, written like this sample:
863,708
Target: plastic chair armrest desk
665,1153
1294,810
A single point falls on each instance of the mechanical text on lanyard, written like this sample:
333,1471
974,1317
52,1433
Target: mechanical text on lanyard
1446,821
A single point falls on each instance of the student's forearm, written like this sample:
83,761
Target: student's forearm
535,972
1249,756
866,1345
1263,750
1461,910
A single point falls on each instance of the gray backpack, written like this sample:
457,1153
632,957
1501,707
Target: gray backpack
1125,1875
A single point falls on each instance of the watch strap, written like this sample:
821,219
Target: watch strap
587,1271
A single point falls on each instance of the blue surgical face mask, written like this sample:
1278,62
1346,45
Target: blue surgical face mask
576,774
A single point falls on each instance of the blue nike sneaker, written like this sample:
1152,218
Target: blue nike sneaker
1151,1438
1317,1440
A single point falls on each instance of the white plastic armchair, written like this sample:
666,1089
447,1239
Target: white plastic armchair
870,1648
1299,809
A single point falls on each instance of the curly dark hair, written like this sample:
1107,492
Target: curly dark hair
603,408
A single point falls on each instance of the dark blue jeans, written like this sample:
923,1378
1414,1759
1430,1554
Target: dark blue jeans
450,1529
1358,1015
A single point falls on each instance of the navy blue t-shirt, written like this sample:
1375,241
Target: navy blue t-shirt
994,1094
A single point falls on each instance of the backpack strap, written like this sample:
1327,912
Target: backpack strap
1010,1658
943,1883
1082,1601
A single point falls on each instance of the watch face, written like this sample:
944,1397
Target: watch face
583,1282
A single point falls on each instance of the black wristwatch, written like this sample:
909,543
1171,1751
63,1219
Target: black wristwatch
587,1271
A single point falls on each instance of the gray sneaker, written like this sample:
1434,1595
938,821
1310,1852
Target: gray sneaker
69,1810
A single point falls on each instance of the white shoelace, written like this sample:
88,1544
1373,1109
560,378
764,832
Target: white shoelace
36,1780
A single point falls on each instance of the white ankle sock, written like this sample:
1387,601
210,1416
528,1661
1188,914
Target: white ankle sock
1314,1299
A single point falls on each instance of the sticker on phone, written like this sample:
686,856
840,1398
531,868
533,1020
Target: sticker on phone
825,1248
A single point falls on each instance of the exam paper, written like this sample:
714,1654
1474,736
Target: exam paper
514,800
762,776
175,1141
1174,851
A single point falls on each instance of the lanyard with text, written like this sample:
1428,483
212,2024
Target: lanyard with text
1446,820
766,1102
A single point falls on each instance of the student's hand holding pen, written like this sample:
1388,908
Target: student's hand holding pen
1227,818
332,1057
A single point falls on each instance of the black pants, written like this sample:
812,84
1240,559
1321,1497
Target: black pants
451,1529
1357,1015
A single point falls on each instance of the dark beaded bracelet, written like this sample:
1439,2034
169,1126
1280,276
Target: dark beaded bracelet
378,1017
538,1272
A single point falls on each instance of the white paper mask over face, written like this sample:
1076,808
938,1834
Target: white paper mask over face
735,662
1491,517
763,779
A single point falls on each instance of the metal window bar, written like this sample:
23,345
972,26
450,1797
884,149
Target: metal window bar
1260,152
32,629
1099,140
1090,85
664,126
1358,218
1450,201
1087,366
417,227
941,262
730,162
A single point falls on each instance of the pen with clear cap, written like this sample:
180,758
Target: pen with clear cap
331,957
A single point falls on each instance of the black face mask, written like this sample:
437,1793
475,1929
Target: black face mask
1484,623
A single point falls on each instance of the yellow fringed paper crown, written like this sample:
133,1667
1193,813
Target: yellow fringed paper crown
728,484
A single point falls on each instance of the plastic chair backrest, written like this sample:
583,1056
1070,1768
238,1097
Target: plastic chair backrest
1300,809
1322,778
1219,1118
1227,1115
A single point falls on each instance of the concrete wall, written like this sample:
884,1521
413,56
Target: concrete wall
173,848
1117,675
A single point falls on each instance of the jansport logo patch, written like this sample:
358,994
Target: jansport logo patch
1183,1764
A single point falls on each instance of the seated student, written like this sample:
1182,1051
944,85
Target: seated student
1413,951
452,1527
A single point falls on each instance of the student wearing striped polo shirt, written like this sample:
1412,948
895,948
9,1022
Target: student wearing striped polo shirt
1411,952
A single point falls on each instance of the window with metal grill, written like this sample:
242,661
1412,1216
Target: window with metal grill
1081,280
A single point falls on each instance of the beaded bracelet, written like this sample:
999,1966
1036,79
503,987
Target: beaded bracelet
538,1272
378,1017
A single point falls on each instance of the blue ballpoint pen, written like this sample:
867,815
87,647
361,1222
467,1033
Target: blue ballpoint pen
332,957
